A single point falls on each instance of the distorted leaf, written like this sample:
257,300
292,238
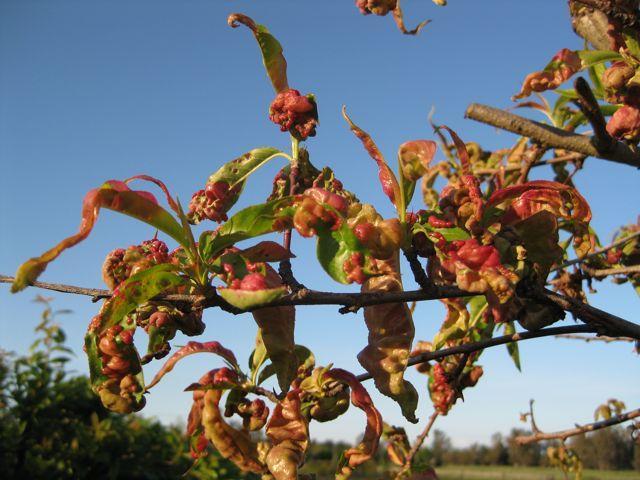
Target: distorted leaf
288,432
272,57
250,222
387,178
191,348
248,299
391,333
232,444
369,445
113,195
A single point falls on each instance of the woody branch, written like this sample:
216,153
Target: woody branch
603,322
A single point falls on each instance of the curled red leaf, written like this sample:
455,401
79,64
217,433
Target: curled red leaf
388,180
114,195
232,444
369,445
522,201
288,432
563,66
277,325
415,158
391,332
189,349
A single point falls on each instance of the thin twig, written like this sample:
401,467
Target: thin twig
468,348
550,136
416,446
602,338
569,157
578,430
600,251
472,347
532,157
418,271
606,272
532,418
602,141
265,393
285,271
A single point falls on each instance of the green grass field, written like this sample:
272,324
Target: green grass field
475,472
452,472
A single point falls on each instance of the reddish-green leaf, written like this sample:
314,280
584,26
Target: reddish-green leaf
272,57
247,299
388,180
114,195
369,444
267,251
136,290
189,349
248,223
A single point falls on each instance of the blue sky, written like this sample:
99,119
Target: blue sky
96,90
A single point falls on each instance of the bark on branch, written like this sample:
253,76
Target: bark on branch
600,251
605,323
578,430
549,136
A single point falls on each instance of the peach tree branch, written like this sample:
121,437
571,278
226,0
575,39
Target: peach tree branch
579,429
550,136
604,322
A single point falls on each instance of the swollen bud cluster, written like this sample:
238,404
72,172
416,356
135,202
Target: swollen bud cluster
213,202
377,7
122,263
442,389
295,113
318,208
120,366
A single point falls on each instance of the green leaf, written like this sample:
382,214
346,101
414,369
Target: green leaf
567,93
133,292
512,347
247,299
136,290
237,170
334,248
449,234
632,45
594,57
258,356
272,57
113,195
248,223
595,75
306,360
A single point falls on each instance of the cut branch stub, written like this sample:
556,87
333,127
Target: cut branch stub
550,136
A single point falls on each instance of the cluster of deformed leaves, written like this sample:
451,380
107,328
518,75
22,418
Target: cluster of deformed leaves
491,235
384,7
619,262
320,394
612,407
566,459
614,77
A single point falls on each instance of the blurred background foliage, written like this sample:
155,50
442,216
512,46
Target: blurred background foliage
52,426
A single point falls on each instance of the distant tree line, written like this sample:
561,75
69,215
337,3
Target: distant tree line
607,449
